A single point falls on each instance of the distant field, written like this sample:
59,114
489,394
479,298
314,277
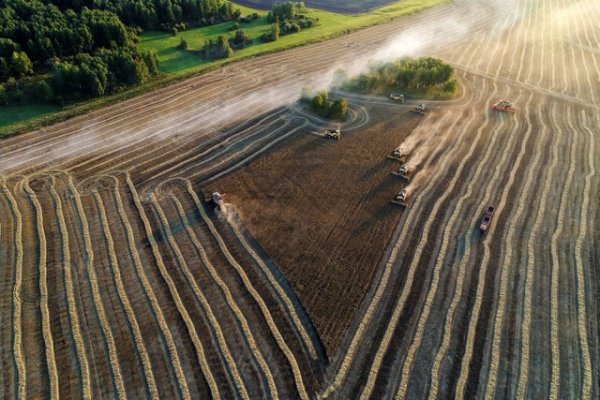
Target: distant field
340,6
174,61
177,63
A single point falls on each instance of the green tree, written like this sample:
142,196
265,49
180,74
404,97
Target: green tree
338,108
20,64
183,44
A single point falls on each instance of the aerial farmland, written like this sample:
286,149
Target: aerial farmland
229,233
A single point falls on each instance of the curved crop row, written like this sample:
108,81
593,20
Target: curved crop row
255,295
173,290
124,298
228,296
98,304
45,311
17,306
72,305
280,291
149,292
214,323
383,282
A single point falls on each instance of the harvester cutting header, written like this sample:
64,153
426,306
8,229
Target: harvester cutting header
398,154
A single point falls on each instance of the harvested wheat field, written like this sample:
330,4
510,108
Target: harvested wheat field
118,280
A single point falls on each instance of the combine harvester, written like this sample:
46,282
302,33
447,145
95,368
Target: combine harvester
216,199
333,134
420,109
404,172
398,154
397,97
401,199
487,219
504,106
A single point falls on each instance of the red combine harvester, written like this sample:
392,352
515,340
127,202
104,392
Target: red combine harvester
487,219
504,105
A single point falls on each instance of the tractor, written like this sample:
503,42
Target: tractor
504,106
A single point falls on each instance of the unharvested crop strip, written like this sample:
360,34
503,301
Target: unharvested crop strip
155,305
124,298
228,297
212,319
43,284
173,290
257,298
71,300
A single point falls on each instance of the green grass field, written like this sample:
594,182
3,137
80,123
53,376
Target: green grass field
14,115
174,61
178,64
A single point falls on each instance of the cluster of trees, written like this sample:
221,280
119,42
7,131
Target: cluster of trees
217,49
159,14
55,54
408,75
289,18
322,105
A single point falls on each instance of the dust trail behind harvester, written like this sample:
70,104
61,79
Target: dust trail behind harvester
238,98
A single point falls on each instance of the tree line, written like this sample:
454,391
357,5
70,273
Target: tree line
60,51
158,14
425,74
323,105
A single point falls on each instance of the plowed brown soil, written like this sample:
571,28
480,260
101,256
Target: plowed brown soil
321,209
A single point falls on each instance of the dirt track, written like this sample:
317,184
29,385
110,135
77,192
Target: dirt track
118,283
